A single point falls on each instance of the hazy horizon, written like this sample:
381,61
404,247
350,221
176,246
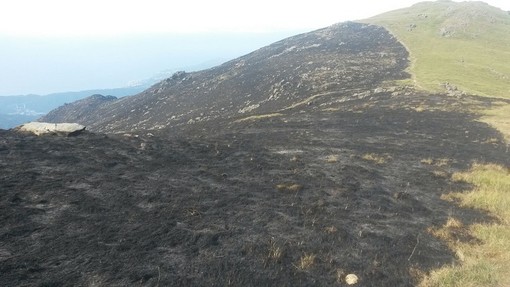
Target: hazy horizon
57,46
43,66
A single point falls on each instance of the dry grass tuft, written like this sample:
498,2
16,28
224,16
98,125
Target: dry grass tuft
442,162
340,275
306,261
293,187
491,141
419,109
439,162
377,159
330,229
275,251
453,223
450,232
440,173
332,158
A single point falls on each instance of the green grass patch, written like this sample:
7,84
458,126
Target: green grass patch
486,263
491,190
499,118
465,44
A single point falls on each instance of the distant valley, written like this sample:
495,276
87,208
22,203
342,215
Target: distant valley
15,110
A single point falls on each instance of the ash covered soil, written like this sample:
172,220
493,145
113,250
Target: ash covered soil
352,186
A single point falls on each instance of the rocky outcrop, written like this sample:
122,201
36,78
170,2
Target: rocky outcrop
38,128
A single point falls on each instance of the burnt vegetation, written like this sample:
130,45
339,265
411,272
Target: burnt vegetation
196,185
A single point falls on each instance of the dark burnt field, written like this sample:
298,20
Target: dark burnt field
299,199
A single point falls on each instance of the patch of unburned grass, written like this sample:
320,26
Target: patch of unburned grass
419,109
439,162
275,252
442,162
306,261
330,229
499,118
376,158
333,158
491,189
487,262
293,187
450,231
440,173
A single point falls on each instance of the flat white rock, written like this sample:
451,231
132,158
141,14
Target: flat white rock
38,128
351,279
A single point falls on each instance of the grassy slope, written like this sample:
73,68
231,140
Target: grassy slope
485,263
499,117
465,44
468,45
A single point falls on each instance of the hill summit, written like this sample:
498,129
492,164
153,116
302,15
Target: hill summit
454,46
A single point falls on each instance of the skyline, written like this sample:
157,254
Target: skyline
55,46
96,18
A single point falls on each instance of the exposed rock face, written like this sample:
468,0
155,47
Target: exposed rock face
39,128
340,60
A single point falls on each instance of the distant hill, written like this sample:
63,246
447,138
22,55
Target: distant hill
9,121
454,46
19,109
15,110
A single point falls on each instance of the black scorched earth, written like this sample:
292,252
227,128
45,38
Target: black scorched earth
338,173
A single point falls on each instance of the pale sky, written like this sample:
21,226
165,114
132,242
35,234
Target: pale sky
113,17
49,46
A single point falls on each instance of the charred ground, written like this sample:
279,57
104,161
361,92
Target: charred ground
329,162
213,210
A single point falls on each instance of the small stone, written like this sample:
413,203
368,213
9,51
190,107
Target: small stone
351,279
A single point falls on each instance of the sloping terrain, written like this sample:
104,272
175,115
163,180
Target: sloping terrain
455,46
295,165
343,59
297,200
86,106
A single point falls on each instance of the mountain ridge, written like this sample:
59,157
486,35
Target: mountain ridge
166,104
335,60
